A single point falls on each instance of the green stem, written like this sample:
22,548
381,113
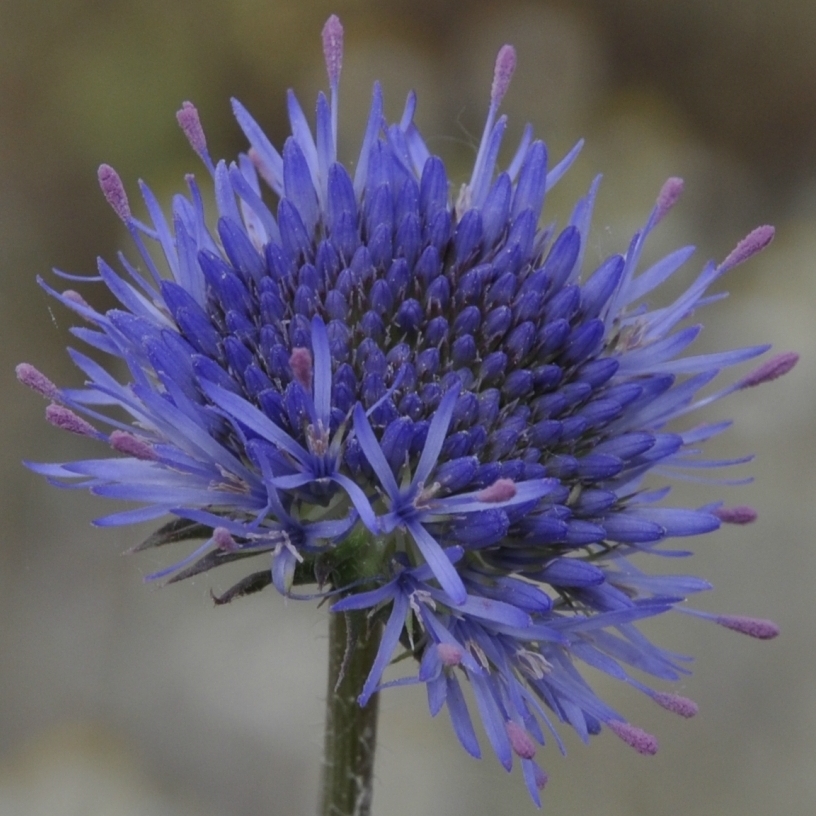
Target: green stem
351,731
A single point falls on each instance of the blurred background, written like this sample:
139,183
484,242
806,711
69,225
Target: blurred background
117,698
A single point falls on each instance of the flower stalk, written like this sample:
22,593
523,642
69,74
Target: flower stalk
351,729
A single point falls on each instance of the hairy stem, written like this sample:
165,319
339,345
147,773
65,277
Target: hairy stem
351,731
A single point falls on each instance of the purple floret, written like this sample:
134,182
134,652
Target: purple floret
432,408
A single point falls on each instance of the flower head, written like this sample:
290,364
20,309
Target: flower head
430,408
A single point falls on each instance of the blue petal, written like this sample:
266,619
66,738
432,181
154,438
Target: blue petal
388,642
440,564
238,408
322,371
486,163
532,181
460,718
571,572
492,720
679,522
436,686
373,452
494,611
657,274
283,570
137,516
600,286
433,189
360,501
128,296
257,216
518,593
373,127
468,236
299,185
558,171
436,437
342,210
367,600
239,249
225,195
270,159
302,136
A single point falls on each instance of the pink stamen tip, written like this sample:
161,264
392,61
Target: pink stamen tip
301,364
449,653
752,243
520,741
61,417
671,191
742,514
75,297
114,191
753,627
190,123
502,73
541,778
637,738
223,540
333,48
36,381
130,445
676,704
500,491
771,369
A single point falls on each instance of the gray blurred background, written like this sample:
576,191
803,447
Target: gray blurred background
120,699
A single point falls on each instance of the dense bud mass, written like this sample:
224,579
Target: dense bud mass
435,409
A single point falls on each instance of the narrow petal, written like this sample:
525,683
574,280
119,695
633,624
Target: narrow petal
388,642
443,570
374,453
460,717
436,437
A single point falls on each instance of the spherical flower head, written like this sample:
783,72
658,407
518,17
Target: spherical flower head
435,410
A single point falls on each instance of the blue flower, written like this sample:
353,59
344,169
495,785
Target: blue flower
429,408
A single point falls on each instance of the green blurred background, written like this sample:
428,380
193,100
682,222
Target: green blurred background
118,699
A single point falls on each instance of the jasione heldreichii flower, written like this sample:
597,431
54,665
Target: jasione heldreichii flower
419,399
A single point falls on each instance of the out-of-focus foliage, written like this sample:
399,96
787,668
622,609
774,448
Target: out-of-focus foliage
721,93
